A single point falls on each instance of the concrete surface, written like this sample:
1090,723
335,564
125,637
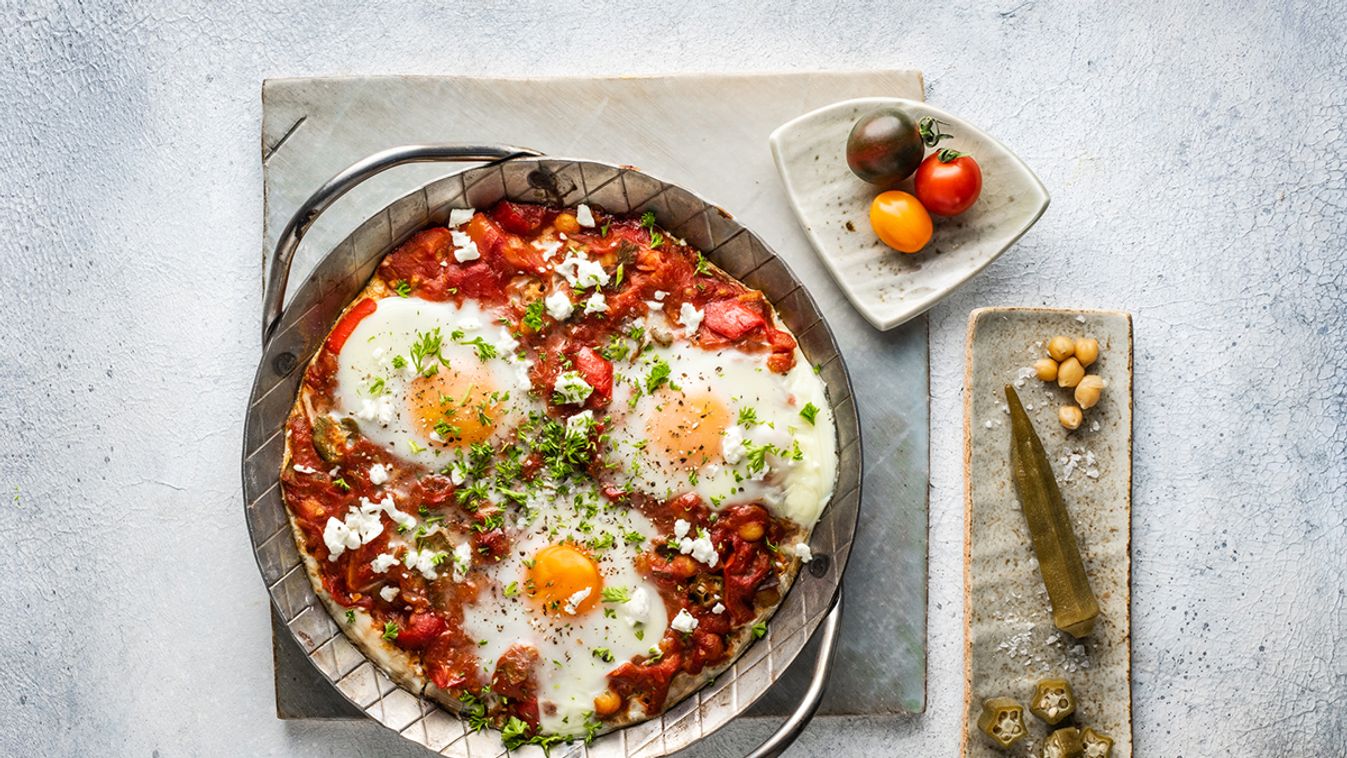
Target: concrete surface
1195,153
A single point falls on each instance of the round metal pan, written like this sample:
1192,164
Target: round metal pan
292,335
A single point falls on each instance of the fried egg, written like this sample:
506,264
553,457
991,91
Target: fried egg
720,424
570,590
426,379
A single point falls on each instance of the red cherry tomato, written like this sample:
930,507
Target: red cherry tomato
948,182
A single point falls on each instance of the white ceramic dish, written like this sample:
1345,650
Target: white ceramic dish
886,286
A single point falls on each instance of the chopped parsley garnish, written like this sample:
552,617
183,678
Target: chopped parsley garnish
616,595
748,418
656,239
403,288
654,654
757,455
658,376
399,362
376,387
493,521
617,278
514,733
617,348
341,482
703,265
603,654
759,630
809,412
648,219
533,315
390,630
475,710
633,538
414,447
350,617
425,349
485,350
512,589
603,230
603,542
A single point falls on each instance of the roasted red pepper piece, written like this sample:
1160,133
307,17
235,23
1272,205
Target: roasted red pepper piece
518,218
597,371
420,630
342,331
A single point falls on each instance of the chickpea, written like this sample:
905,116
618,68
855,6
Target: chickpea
1070,373
1046,369
566,223
607,703
1087,392
1061,347
1070,416
1087,350
751,531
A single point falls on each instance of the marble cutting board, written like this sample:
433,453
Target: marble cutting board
709,133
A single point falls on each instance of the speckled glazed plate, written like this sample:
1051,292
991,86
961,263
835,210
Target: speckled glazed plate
886,286
1011,641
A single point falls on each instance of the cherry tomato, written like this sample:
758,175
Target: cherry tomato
948,182
900,221
885,146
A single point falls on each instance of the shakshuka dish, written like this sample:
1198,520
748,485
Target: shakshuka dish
555,470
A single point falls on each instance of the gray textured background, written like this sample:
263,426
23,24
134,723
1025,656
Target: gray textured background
1195,153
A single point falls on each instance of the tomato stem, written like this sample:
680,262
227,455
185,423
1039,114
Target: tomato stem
948,155
929,127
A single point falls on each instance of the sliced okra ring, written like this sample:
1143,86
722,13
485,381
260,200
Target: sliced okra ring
1053,701
1002,720
1096,745
1063,743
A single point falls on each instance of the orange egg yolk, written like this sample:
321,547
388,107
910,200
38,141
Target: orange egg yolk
687,429
457,402
558,573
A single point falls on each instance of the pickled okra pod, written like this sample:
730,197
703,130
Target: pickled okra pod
1002,720
1053,701
1096,745
1063,743
1074,607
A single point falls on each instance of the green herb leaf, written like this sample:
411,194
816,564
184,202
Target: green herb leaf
759,630
350,617
512,589
403,288
390,630
616,595
809,412
533,315
603,654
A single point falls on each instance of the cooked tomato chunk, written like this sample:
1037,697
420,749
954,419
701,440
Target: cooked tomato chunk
597,371
731,319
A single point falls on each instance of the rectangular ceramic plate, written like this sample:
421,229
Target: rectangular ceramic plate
685,129
1011,641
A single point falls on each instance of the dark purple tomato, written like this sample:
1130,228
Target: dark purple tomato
885,146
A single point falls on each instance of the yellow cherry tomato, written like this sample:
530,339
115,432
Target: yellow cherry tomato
900,221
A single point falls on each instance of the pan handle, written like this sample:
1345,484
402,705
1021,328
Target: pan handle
808,706
273,297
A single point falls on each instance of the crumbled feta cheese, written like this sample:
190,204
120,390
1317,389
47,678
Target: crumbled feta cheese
654,306
378,474
383,562
462,561
423,561
581,272
559,305
637,607
301,468
403,520
701,549
378,409
436,436
595,304
571,388
681,528
359,527
548,248
732,447
660,295
457,475
718,608
803,552
583,215
460,216
684,622
580,424
573,602
388,593
690,317
464,248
